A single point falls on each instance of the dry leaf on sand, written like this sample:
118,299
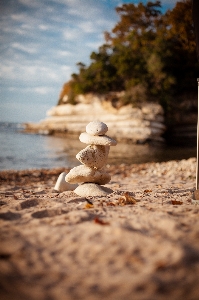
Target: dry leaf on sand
100,222
88,205
147,191
126,198
176,202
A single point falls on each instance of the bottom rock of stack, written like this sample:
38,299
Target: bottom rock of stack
92,189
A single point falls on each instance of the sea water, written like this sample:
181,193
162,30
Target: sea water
19,151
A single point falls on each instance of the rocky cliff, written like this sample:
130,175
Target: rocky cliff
137,125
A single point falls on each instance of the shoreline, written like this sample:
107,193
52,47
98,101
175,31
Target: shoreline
139,242
50,152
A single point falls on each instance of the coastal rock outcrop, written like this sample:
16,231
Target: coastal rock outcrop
135,124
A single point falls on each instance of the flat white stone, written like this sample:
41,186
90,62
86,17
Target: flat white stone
83,173
92,189
62,186
96,128
94,156
103,140
79,173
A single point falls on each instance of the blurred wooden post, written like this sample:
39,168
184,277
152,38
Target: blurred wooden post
195,14
197,166
196,192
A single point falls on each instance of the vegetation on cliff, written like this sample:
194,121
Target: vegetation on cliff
149,55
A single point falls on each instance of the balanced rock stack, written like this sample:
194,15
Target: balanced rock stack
91,176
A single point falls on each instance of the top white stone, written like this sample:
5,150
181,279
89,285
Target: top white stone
96,128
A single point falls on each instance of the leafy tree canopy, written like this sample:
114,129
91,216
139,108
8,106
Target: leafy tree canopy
149,55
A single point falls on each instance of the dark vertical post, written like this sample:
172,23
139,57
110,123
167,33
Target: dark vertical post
195,13
197,167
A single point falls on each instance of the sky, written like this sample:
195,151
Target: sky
41,41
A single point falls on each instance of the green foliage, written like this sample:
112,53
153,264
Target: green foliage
99,77
149,55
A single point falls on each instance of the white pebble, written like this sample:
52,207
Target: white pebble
96,128
62,186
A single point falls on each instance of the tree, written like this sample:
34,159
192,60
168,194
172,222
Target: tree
149,55
99,76
180,43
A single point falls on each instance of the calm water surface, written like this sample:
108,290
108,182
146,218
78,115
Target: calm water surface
26,151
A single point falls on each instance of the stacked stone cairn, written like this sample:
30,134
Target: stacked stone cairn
91,175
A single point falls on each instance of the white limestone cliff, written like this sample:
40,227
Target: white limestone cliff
138,125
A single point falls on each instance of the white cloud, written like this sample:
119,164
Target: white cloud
29,48
43,27
94,45
71,34
87,27
43,90
36,73
66,68
19,17
63,53
7,71
30,3
84,9
105,23
35,5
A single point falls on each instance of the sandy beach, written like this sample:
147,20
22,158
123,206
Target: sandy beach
140,242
